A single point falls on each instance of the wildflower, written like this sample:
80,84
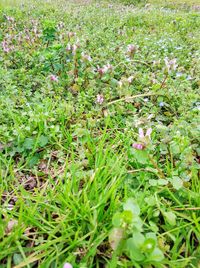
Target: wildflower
6,47
120,83
150,116
156,62
60,25
105,69
74,48
131,49
69,47
10,19
171,65
67,265
138,146
189,77
85,57
100,99
71,34
144,139
130,79
179,74
161,104
148,133
53,78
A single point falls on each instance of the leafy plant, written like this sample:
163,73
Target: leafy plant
128,237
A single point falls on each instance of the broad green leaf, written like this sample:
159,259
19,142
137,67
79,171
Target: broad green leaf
138,238
153,182
177,183
17,258
162,182
43,140
141,156
133,249
117,219
151,235
148,245
170,217
175,148
150,200
33,160
28,143
156,255
127,216
132,205
137,224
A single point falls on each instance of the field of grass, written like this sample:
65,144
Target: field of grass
99,134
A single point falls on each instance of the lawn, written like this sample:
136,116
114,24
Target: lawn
99,134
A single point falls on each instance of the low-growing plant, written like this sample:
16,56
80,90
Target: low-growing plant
129,238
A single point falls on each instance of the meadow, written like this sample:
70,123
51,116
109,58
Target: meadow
99,134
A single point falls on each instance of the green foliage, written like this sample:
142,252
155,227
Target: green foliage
99,134
128,237
132,2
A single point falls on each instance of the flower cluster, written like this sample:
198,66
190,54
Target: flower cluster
72,48
86,57
143,139
6,47
131,49
100,99
124,81
54,78
105,69
171,65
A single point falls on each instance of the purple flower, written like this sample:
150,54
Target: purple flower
53,78
142,135
10,19
67,265
5,47
106,68
85,57
148,133
138,146
161,104
171,65
100,99
71,34
131,49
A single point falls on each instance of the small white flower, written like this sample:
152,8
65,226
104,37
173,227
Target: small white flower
130,79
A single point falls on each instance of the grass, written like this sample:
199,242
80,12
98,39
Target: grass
75,186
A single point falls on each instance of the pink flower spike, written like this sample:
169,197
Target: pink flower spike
148,133
141,133
67,265
131,49
53,78
68,48
100,99
138,146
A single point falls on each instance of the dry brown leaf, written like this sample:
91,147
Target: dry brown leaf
11,224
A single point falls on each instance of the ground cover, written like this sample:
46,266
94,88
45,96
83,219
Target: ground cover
99,134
